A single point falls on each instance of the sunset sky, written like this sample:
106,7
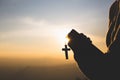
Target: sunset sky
37,28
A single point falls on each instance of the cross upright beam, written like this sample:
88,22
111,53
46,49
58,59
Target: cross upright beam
66,49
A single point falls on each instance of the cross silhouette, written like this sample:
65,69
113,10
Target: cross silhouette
66,49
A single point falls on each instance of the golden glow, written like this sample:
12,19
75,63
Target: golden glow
61,36
67,40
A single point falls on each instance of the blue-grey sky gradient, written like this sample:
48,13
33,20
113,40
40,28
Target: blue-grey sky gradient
27,21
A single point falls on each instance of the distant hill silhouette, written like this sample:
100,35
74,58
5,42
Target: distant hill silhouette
68,71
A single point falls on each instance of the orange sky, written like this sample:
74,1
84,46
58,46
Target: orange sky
32,30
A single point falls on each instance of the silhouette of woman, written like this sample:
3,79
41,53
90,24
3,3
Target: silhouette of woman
95,64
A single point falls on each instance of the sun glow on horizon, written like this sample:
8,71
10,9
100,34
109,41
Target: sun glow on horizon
41,28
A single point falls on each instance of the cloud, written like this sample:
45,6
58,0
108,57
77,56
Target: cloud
12,24
28,27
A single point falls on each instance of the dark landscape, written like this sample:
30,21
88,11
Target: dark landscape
24,70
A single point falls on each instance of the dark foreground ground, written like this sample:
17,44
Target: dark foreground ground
67,71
